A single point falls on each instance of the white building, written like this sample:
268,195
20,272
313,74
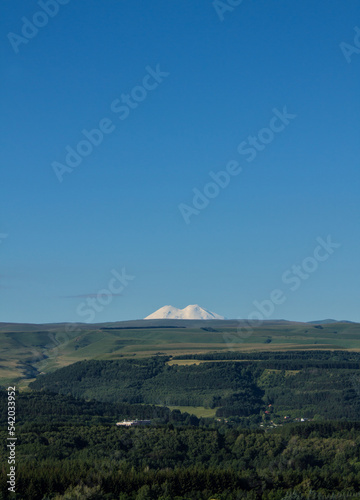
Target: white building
131,423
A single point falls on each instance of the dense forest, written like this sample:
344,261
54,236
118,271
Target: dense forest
308,357
152,381
309,384
44,409
90,459
257,447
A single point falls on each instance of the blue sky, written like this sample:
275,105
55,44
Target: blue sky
213,83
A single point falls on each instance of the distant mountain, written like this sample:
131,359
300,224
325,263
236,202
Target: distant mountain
328,321
189,312
322,322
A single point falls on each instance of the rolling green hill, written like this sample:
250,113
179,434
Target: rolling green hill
27,350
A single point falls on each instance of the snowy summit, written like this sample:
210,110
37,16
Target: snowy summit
189,312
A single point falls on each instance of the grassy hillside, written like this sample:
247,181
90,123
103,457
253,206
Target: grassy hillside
27,350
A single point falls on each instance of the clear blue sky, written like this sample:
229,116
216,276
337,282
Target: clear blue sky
119,208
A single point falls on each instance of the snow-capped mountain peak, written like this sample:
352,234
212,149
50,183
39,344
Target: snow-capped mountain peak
189,312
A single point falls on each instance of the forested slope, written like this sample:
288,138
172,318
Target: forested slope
310,384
